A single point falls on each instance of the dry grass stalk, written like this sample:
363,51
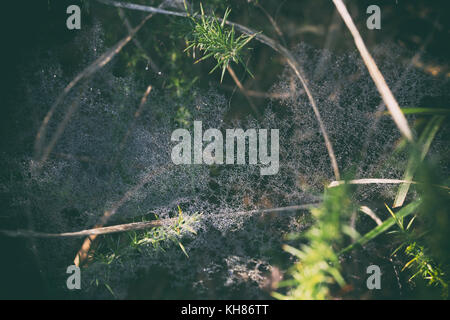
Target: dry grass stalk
292,62
383,88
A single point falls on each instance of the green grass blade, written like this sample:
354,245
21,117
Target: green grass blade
405,211
183,249
424,144
434,111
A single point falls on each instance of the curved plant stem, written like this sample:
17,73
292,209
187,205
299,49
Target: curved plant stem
383,88
243,91
265,40
424,142
83,252
88,232
371,214
99,63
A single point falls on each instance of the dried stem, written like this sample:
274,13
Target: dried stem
386,94
137,43
380,181
88,71
82,253
137,114
242,89
265,40
138,225
371,214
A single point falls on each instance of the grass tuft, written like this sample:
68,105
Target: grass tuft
214,39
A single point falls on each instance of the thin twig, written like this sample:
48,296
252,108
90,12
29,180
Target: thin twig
82,253
380,181
332,35
138,44
292,62
371,214
242,89
61,126
369,181
272,22
87,232
139,225
88,71
377,76
260,94
137,114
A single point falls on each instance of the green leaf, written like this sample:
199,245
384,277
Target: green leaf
423,144
183,249
398,221
375,232
110,290
433,111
